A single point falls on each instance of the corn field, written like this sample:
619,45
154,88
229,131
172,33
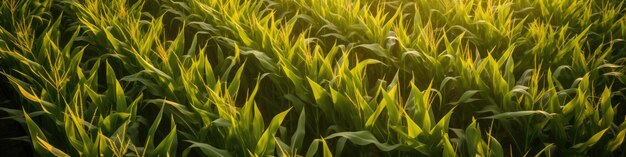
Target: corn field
314,77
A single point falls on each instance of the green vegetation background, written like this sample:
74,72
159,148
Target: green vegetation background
312,77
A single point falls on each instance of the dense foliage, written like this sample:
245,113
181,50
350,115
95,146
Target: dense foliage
316,77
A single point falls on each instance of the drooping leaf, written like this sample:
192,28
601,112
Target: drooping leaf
206,149
364,138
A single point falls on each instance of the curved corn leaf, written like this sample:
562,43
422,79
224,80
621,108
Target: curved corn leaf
363,138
